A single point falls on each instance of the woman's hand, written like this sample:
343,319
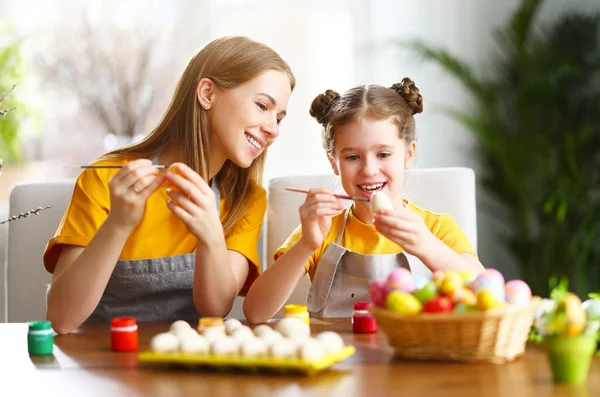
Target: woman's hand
406,229
129,189
193,201
315,214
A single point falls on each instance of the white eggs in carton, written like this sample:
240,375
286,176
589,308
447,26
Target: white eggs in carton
165,342
380,201
291,339
231,325
331,341
194,345
225,346
254,347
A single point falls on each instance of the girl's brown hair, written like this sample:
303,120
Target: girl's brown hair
399,103
228,62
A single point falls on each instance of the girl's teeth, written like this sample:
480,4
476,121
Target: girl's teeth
371,187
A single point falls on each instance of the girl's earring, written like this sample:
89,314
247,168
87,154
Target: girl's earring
206,106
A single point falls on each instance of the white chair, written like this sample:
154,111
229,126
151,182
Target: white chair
23,277
442,190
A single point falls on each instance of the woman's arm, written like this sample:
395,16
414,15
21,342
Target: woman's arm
82,273
274,287
81,276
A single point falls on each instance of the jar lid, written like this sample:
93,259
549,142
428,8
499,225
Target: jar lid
295,309
207,322
122,322
362,305
40,325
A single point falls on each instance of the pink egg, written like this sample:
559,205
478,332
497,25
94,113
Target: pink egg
483,280
400,279
496,276
517,291
378,292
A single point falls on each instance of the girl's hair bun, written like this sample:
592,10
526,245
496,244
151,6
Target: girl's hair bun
321,105
409,91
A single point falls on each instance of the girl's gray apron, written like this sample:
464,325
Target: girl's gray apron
343,277
157,289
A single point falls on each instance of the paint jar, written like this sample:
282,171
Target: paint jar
363,322
40,338
123,334
299,311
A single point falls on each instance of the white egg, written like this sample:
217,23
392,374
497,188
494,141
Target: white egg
298,339
179,325
165,342
242,333
225,346
292,326
283,348
254,348
184,333
331,341
262,329
194,345
231,325
271,337
213,335
311,350
380,201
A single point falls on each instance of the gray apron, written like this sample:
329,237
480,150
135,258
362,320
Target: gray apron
343,277
158,289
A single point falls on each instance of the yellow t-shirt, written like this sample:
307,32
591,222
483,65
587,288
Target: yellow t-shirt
365,239
159,234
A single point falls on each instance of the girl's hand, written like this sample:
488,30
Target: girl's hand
129,189
315,214
406,229
193,201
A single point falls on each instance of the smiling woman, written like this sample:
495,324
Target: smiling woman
180,245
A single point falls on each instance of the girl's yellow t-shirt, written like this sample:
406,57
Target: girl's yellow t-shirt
365,239
159,234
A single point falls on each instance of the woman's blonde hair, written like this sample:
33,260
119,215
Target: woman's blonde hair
228,62
398,103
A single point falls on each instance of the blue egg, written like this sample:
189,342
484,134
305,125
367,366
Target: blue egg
419,281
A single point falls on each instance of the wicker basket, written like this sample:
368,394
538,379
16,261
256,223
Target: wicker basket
494,336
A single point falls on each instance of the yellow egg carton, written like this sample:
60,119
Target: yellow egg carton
248,364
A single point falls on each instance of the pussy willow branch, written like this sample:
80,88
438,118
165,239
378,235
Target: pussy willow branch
26,214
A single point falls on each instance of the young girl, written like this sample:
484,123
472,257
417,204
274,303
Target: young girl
369,137
177,245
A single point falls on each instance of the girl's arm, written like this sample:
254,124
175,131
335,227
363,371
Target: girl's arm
273,288
408,230
82,273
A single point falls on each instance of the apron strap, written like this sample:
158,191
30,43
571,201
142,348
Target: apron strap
326,270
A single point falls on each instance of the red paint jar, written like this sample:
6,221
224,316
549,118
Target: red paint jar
123,334
363,321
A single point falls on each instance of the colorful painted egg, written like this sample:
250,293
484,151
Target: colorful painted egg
427,292
495,276
517,291
465,296
452,282
467,276
403,303
462,308
400,279
487,298
439,304
378,292
485,281
419,281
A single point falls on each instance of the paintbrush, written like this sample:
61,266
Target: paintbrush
340,196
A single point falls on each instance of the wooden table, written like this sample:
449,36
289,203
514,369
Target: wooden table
84,365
